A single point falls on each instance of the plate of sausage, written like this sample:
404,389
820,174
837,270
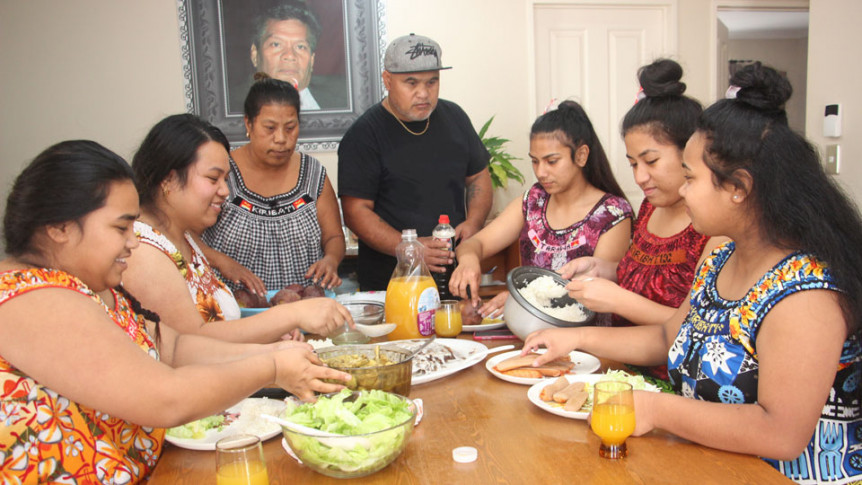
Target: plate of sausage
511,367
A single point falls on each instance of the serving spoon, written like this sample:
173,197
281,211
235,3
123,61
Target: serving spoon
341,440
377,330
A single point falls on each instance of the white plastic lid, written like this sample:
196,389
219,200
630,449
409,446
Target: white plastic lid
465,454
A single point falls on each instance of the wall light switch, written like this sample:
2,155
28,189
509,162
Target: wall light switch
833,159
832,121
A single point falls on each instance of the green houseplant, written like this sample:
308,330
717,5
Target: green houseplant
500,165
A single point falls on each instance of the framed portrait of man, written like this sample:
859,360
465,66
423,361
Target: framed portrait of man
330,50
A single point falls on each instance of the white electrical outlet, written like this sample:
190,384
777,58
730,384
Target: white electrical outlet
833,159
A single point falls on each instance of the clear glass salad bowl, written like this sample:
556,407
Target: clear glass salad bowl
355,455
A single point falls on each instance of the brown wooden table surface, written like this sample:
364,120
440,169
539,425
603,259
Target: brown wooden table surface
517,443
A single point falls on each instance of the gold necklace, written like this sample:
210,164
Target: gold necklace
427,122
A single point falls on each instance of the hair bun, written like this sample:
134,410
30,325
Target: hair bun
661,78
762,87
260,76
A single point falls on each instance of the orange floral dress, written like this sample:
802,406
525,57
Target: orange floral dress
45,437
212,298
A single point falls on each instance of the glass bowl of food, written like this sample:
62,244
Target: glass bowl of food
366,312
538,299
374,437
386,368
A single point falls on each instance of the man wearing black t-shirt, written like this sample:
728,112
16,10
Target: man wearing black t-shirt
407,160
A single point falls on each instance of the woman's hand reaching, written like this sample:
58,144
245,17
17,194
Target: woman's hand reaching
299,371
324,272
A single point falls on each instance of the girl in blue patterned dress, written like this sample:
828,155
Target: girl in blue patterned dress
765,354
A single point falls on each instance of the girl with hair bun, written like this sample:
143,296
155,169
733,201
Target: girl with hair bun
576,208
654,276
765,353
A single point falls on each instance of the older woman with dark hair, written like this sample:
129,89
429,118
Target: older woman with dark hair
88,379
181,170
280,219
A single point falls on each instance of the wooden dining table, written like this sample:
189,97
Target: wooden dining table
517,442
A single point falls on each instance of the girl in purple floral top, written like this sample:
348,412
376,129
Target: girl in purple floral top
576,208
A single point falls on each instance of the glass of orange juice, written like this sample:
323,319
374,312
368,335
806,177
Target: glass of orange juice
239,461
613,418
447,320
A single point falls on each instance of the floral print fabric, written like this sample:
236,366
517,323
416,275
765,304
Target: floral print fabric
212,298
45,437
714,358
549,248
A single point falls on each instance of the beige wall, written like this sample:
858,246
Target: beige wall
789,55
834,74
96,69
108,70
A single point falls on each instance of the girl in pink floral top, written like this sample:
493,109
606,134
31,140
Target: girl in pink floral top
575,209
88,379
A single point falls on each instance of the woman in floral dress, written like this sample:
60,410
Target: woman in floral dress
180,171
88,379
575,209
765,353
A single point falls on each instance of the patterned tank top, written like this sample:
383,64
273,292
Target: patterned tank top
277,237
45,437
660,269
212,298
549,248
714,358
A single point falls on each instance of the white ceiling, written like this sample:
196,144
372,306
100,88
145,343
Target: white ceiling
750,24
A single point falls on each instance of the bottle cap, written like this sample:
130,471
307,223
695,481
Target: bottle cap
444,219
465,454
408,233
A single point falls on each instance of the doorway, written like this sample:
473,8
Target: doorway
776,36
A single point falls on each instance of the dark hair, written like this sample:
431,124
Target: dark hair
63,183
571,126
665,113
171,145
297,10
797,205
267,90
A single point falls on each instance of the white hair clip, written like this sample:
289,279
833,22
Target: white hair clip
640,95
731,92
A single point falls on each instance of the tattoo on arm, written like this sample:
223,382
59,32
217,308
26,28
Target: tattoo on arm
472,192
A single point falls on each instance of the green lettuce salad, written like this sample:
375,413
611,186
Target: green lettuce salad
197,429
371,412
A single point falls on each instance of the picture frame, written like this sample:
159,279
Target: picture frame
216,37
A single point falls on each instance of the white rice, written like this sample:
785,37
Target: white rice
542,290
320,344
249,420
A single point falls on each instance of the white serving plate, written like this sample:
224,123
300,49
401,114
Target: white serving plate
492,324
584,364
556,408
209,440
472,352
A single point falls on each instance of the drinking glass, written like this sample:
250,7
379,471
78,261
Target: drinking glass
613,418
447,320
239,461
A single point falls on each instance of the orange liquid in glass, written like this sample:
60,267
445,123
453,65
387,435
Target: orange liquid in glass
613,423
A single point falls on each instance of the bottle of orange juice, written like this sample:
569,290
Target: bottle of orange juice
411,297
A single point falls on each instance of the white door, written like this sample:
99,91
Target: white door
590,52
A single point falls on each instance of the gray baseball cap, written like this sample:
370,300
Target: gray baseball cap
413,53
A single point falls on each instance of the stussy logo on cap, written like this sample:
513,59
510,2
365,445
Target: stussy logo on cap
421,49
